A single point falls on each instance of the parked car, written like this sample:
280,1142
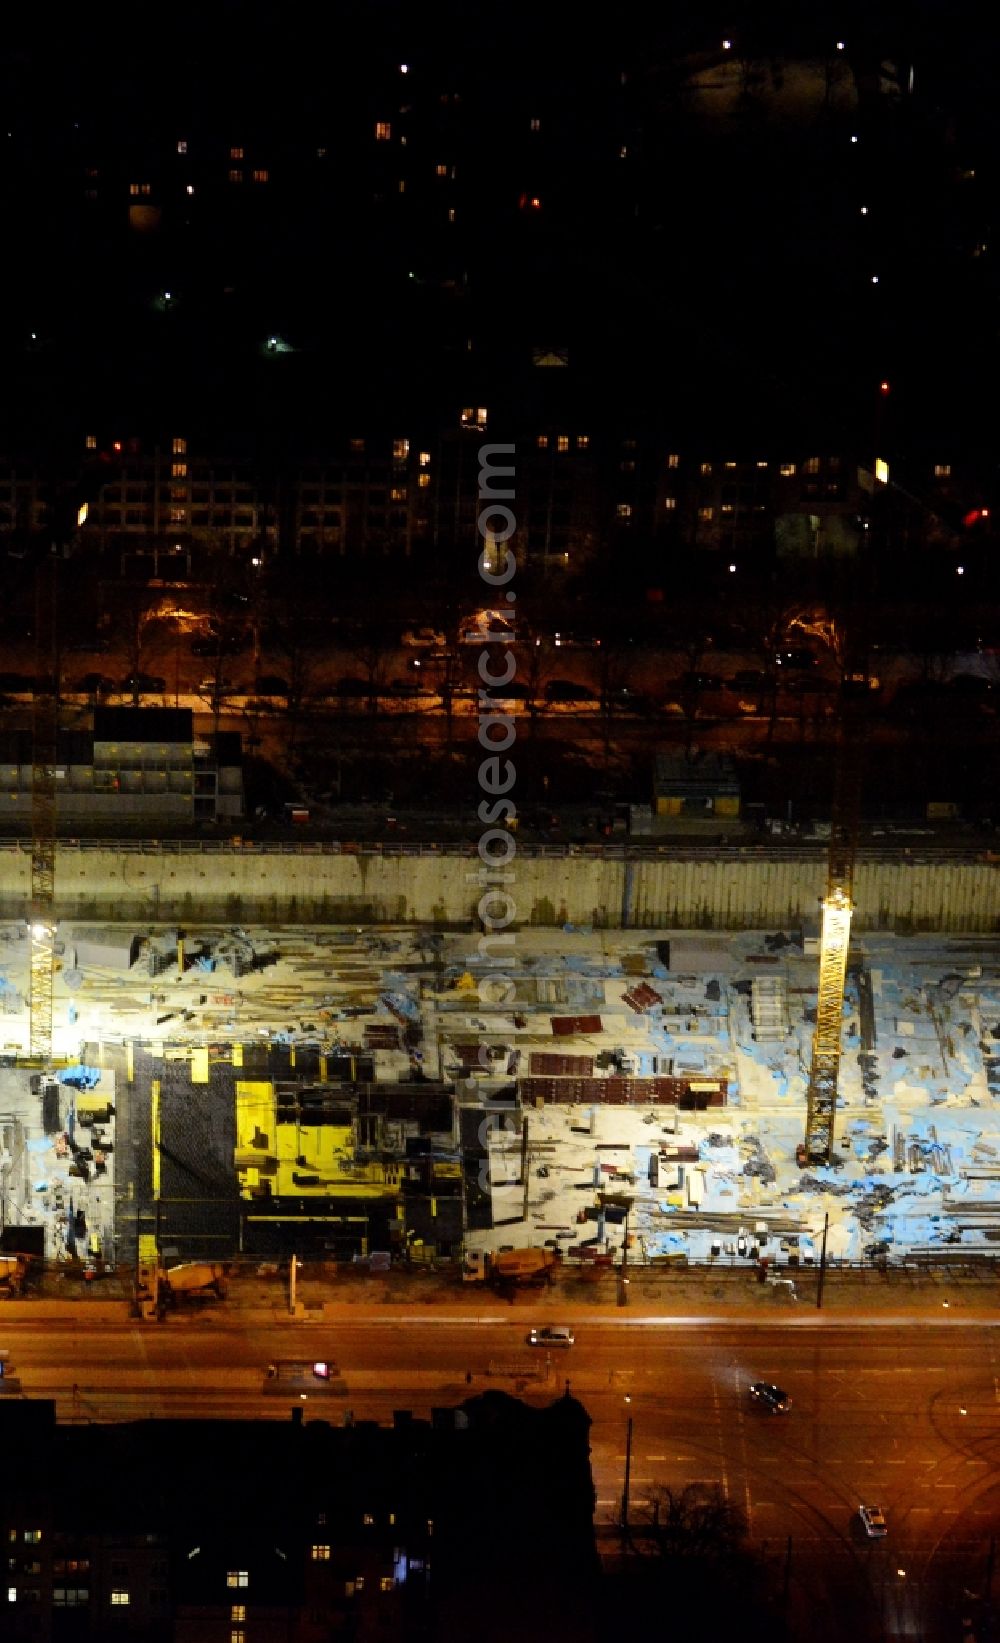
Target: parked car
873,1521
749,678
271,684
149,683
770,1397
423,636
224,686
352,686
16,684
93,684
567,690
551,1335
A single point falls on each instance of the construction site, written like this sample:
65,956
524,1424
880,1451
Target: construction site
381,1093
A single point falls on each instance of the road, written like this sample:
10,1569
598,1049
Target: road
904,1414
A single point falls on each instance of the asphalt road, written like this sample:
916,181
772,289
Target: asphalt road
905,1414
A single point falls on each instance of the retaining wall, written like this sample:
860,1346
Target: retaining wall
187,882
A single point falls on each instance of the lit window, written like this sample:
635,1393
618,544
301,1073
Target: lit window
582,441
942,470
451,214
727,507
705,469
178,470
440,171
182,147
481,416
259,176
705,513
536,125
811,465
236,154
424,459
423,480
178,516
358,446
91,442
180,447
119,1600
238,1577
624,510
235,176
730,464
401,186
11,1594
136,189
237,1635
787,470
628,466
400,449
383,131
674,461
359,1584
368,1518
762,464
386,1583
321,1554
669,502
562,442
543,442
398,493
238,1611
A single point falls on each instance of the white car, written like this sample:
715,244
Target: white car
551,1335
873,1520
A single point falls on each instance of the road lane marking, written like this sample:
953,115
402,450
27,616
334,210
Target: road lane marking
656,1457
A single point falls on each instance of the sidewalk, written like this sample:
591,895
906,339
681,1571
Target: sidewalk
713,1296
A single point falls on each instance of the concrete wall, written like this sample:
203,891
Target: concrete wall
313,886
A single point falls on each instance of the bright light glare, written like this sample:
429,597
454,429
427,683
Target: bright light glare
732,569
727,45
959,571
38,931
81,514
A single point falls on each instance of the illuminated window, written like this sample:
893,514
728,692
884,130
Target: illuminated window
236,154
386,1583
543,442
400,449
811,465
235,176
398,493
11,1594
178,493
238,1577
705,469
178,470
91,442
180,447
942,470
321,1554
358,446
562,442
669,502
705,513
182,147
140,188
451,214
481,416
673,460
359,1584
237,1635
120,1600
424,459
383,131
440,171
762,464
582,441
368,1518
259,176
467,415
423,480
624,510
535,125
178,516
401,186
238,1611
730,464
628,466
787,470
727,507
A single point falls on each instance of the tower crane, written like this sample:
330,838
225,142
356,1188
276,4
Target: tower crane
835,936
44,727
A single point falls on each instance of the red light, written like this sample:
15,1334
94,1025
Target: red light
536,204
974,516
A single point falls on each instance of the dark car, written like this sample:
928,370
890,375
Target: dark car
749,678
770,1397
92,684
15,684
271,684
148,683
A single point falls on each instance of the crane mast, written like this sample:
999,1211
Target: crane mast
835,939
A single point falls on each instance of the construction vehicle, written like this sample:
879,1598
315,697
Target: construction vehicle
510,1266
192,1280
13,1271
